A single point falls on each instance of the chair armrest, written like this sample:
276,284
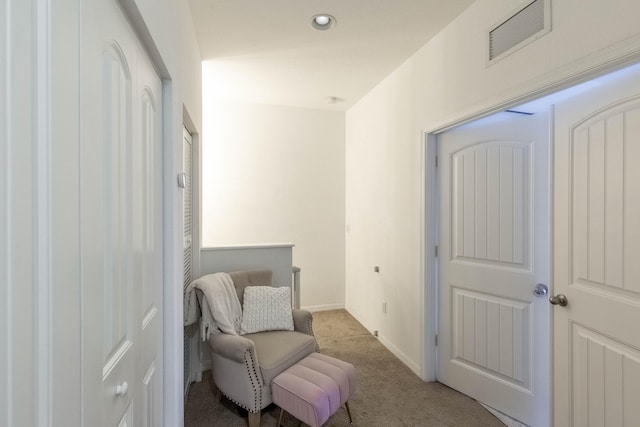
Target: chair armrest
236,372
231,346
303,321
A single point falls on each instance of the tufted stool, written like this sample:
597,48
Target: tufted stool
314,388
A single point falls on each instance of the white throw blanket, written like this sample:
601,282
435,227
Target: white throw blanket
219,304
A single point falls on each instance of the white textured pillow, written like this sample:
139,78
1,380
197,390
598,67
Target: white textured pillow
266,308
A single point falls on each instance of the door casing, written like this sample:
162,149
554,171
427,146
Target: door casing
562,78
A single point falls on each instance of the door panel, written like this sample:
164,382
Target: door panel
120,223
606,380
601,149
494,248
491,335
147,217
597,217
491,186
114,230
150,415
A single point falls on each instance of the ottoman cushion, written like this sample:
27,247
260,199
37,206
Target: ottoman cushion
314,388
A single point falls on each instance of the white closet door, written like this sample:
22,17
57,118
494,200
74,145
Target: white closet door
121,224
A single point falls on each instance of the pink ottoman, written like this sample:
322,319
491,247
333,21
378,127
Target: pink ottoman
314,388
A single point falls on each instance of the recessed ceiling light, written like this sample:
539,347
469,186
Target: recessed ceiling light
322,19
323,22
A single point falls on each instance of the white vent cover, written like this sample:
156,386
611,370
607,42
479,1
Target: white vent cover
526,25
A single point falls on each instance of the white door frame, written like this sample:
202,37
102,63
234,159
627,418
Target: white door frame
196,193
603,62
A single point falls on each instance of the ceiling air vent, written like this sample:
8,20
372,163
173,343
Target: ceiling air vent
526,25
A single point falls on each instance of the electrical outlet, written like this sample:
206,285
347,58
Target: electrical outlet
384,307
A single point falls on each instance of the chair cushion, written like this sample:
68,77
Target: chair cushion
266,309
278,350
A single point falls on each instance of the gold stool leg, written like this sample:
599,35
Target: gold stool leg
280,417
346,405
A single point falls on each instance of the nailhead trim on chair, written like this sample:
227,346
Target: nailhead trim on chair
237,403
253,376
310,330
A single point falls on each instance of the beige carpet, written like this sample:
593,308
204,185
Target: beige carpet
388,394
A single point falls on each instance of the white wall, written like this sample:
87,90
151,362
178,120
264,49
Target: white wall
273,174
39,251
448,79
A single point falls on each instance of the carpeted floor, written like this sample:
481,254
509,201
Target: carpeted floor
388,395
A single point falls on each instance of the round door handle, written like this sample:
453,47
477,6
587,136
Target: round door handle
559,299
540,290
122,389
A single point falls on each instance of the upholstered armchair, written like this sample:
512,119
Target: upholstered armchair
243,366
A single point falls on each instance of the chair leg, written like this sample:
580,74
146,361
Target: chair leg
254,419
346,405
280,417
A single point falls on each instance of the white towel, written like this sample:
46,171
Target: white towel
219,305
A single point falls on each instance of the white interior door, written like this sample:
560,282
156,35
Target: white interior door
597,243
120,222
493,332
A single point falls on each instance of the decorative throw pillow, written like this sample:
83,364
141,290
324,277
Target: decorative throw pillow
266,308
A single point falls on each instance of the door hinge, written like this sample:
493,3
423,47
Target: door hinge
436,251
436,161
436,340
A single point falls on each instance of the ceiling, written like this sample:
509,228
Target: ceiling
266,51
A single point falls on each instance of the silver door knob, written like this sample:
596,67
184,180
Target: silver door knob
540,290
122,389
559,299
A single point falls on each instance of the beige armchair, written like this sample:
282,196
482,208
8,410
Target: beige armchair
244,366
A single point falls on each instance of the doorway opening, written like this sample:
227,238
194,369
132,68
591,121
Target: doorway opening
466,307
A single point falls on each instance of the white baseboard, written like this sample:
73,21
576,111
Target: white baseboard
186,392
323,307
356,315
192,379
411,364
205,357
415,367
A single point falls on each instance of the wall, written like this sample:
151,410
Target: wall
447,80
277,258
39,251
18,215
275,174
